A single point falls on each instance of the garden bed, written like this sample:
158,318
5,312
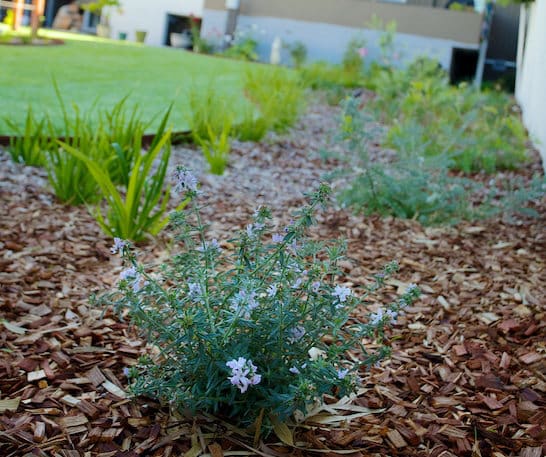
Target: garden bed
467,372
19,41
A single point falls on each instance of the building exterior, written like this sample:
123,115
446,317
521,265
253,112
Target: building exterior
531,83
324,26
157,18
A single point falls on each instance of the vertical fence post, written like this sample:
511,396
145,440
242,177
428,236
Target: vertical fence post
37,13
232,7
484,42
17,13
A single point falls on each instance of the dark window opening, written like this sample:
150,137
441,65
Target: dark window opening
179,30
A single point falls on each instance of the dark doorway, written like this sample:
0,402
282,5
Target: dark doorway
500,62
51,9
463,65
181,25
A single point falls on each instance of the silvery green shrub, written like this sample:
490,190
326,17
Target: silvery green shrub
259,323
415,185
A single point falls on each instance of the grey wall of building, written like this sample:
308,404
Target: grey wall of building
325,41
459,26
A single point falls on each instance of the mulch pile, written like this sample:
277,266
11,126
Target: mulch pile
467,376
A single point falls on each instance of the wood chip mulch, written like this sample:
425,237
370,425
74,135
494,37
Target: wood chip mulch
467,375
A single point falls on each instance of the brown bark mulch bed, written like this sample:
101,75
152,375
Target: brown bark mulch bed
467,376
19,41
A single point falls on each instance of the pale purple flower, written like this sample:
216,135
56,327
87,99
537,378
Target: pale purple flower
411,287
342,373
392,316
137,283
297,283
245,300
315,286
251,301
341,293
294,267
126,372
252,229
277,238
377,317
295,370
184,181
213,245
237,364
362,52
272,290
243,373
118,246
132,276
296,334
194,290
128,273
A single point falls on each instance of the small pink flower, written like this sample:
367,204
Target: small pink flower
362,52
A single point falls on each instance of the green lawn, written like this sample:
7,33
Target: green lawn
90,69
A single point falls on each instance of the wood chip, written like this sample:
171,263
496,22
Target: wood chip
531,452
492,403
114,390
488,318
70,400
531,357
73,421
9,404
441,402
396,439
39,431
95,376
505,361
216,450
36,375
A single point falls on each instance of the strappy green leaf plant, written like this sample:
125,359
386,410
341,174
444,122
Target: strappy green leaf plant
216,147
28,145
139,210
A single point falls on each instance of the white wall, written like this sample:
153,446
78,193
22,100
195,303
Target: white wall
531,75
325,41
151,16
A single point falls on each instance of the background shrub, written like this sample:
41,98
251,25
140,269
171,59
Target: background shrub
277,94
415,183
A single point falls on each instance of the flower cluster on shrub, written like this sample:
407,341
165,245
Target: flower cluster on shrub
261,322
